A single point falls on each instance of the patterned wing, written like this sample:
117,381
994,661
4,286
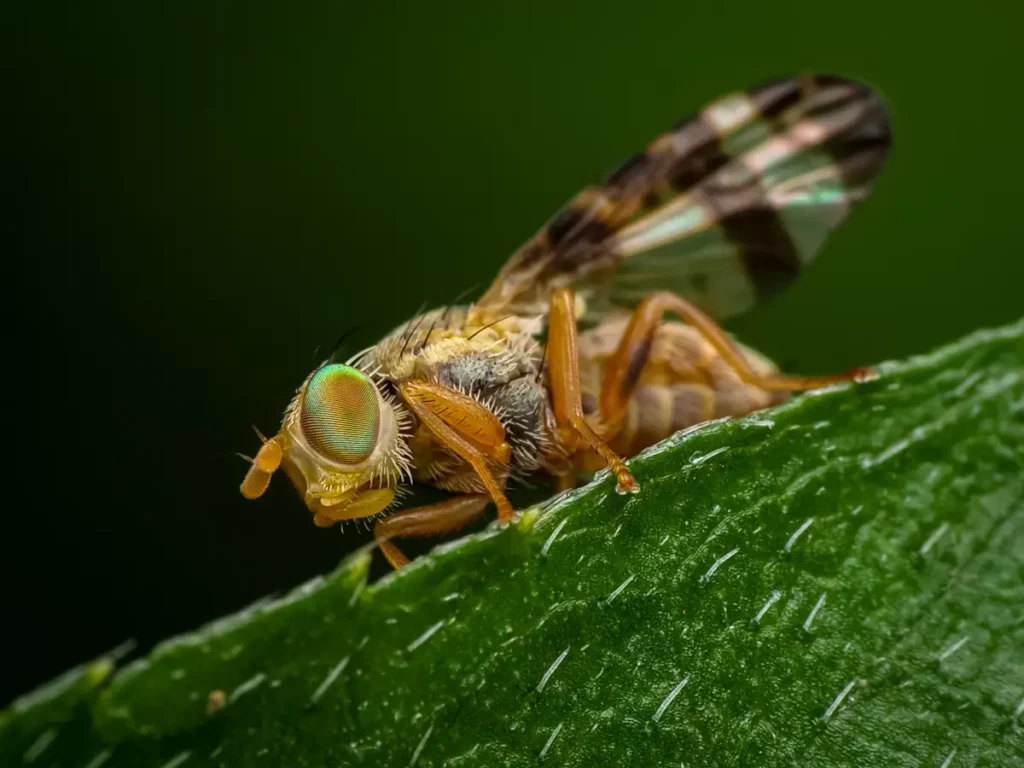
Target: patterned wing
724,210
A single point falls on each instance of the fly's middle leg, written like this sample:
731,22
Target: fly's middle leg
566,394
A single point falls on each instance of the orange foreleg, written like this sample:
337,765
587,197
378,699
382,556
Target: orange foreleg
466,428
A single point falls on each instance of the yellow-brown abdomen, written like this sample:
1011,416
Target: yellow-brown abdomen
685,382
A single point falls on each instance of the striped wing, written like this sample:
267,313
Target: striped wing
724,210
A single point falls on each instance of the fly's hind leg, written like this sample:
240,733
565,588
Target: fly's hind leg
564,366
443,517
627,363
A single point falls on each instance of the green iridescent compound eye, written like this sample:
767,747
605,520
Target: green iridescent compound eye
340,415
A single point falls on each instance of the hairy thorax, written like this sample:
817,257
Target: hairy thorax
496,362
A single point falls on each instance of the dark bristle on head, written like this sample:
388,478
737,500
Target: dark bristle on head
454,303
412,328
341,340
464,293
440,316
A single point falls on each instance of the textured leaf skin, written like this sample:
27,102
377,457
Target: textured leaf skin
888,630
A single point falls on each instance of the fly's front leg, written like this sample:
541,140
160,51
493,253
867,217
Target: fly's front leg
465,427
627,363
443,517
563,359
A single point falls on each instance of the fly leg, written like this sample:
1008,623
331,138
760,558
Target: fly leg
627,362
443,517
563,359
466,428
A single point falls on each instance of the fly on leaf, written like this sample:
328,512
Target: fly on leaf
598,337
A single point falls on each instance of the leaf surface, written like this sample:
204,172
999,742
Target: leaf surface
837,581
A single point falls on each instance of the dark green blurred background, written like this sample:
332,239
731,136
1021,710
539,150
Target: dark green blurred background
199,196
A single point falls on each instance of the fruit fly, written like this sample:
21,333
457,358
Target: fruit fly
596,339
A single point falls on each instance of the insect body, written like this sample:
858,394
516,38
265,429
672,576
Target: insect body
714,216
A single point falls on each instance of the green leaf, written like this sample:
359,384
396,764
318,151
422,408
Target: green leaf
839,581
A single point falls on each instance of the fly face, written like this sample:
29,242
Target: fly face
343,443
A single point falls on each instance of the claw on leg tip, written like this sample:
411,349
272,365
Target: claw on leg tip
626,486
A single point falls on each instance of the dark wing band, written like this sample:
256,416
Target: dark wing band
725,210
